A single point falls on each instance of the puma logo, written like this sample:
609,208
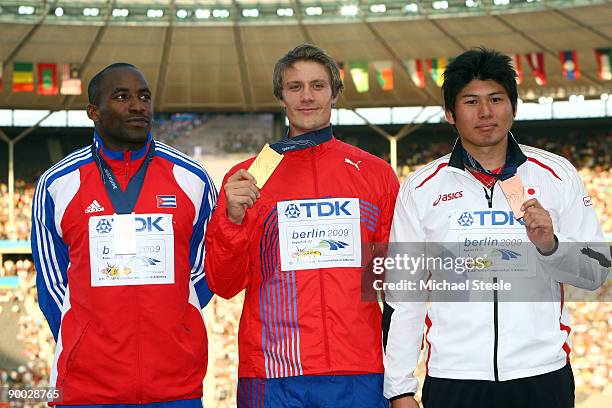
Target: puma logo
349,161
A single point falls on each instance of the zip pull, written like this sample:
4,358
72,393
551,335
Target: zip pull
489,197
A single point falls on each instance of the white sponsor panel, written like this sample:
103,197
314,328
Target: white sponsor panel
321,233
152,261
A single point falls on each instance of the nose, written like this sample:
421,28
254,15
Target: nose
485,110
306,94
138,105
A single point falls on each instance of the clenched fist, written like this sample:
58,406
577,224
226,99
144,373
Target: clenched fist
241,193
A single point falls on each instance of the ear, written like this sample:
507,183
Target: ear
92,112
449,116
282,103
335,100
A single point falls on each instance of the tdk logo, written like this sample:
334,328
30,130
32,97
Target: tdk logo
148,224
104,226
292,211
318,209
448,197
489,217
465,219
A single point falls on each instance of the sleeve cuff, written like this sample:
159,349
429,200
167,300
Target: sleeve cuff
408,394
552,251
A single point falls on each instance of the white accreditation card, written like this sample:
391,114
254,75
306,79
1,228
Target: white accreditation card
124,233
494,238
136,250
321,233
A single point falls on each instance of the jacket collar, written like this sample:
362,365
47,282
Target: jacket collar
120,155
310,139
456,157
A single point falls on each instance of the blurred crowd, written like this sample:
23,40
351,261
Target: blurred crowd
20,229
34,344
591,349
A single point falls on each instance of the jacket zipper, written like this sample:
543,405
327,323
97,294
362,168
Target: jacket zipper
495,305
321,272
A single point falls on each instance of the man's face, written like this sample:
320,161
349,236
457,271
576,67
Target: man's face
123,111
483,114
307,97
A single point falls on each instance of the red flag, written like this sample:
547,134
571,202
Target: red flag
536,63
47,79
415,69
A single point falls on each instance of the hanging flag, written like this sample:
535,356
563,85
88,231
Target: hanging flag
518,67
415,69
384,74
604,62
341,69
536,63
569,64
359,73
71,81
23,77
47,79
436,67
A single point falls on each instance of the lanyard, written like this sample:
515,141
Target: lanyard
508,170
310,139
123,202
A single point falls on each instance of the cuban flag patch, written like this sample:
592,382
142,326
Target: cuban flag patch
166,201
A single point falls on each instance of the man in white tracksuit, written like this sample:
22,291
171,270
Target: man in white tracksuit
503,340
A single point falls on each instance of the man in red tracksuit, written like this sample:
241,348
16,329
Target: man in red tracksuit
306,339
118,241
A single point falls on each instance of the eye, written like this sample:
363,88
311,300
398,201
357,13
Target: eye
145,97
121,97
294,87
318,86
497,99
471,101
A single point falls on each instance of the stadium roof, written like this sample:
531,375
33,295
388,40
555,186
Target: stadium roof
224,62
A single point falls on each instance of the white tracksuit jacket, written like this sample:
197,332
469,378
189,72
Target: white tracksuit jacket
492,340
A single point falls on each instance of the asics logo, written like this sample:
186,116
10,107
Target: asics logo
448,197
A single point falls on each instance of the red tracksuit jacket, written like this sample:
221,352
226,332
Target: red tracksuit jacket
312,321
123,344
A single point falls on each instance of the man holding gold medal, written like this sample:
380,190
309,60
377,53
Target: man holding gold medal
526,214
118,241
289,228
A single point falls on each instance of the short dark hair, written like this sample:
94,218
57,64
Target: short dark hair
306,52
483,64
93,89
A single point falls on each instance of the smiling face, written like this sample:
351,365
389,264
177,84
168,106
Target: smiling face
307,97
123,109
483,115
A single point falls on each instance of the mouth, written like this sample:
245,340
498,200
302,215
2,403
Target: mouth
307,110
139,121
486,127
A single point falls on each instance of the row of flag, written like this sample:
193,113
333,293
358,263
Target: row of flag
435,67
46,79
